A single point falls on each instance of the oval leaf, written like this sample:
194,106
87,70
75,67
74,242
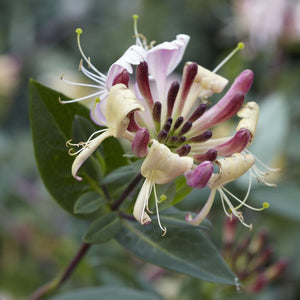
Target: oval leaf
107,293
88,203
103,229
182,250
51,126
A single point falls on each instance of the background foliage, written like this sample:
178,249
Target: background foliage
37,238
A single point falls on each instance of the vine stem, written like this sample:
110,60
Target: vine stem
61,278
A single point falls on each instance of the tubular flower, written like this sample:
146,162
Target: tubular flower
160,166
169,124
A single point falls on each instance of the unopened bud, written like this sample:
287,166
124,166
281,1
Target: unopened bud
140,142
236,144
199,177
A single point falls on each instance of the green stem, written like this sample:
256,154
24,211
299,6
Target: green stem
57,282
126,192
60,279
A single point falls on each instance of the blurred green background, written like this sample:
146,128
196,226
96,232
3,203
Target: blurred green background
37,39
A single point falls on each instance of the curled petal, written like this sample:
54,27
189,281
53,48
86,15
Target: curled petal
236,144
167,165
133,56
204,211
249,114
231,168
121,102
87,152
140,142
164,58
199,177
141,203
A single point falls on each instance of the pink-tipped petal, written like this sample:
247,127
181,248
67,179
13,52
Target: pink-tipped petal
198,178
236,144
140,142
225,109
204,211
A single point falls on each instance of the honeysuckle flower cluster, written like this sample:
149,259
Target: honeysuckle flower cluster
168,122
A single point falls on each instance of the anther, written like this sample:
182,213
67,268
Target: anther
78,31
162,135
172,94
184,150
178,123
239,46
185,128
198,112
142,77
203,137
80,65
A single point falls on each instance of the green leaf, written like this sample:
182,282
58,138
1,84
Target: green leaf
182,250
103,229
113,154
182,189
107,293
51,126
176,218
122,173
88,203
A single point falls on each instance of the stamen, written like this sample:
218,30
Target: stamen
79,32
238,214
260,175
77,83
82,98
136,33
163,228
99,79
239,46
